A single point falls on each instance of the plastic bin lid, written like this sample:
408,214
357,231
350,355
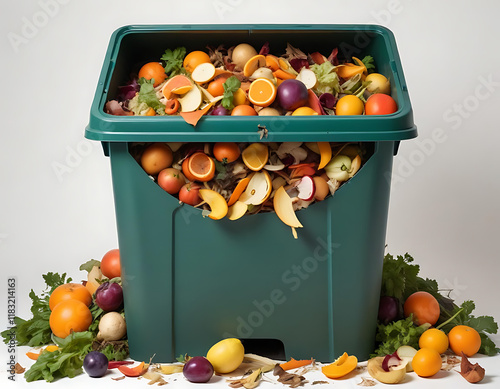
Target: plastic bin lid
132,46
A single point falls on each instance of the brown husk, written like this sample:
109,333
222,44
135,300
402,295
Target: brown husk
471,372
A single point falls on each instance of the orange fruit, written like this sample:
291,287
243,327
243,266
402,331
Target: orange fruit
70,291
201,166
178,84
262,92
435,339
426,362
156,157
424,307
349,105
243,110
240,97
185,170
153,70
69,316
272,62
255,156
464,339
216,86
304,111
110,264
257,61
193,59
226,152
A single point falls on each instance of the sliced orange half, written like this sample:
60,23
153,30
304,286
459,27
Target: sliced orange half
272,62
262,92
255,156
240,187
257,61
178,84
201,166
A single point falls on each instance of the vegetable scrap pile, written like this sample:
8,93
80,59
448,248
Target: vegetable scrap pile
240,81
235,179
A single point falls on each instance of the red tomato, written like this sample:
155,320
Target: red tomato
171,180
189,194
110,264
380,104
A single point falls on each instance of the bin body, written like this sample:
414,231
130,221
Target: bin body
190,281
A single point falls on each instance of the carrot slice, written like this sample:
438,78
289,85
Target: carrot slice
193,117
283,75
293,363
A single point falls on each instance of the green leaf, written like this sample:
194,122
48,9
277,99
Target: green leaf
369,63
488,347
173,60
397,334
147,94
327,78
87,266
231,85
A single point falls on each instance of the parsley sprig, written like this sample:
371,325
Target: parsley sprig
173,60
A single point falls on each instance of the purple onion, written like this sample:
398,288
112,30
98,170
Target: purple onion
299,63
220,111
127,92
327,100
292,94
265,49
388,309
109,296
198,370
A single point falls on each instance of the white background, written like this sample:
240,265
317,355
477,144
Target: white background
56,200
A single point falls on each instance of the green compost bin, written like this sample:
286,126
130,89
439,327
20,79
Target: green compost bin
190,281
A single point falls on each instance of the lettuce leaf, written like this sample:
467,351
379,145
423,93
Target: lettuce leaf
327,78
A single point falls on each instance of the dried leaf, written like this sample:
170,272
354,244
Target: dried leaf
293,380
18,369
449,362
471,372
249,381
366,382
319,382
119,378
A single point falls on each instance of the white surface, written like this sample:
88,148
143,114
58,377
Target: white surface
56,197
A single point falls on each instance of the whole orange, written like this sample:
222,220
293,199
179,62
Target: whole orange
153,70
69,316
193,59
70,291
243,110
434,338
110,264
424,307
226,151
426,362
464,339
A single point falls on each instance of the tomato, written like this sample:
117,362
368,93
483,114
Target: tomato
435,339
193,59
424,307
153,70
189,194
349,105
464,339
380,104
226,152
171,180
110,264
68,316
70,291
426,362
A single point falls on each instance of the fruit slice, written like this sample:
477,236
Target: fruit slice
262,92
133,371
308,77
217,203
257,61
193,117
326,154
237,210
272,62
94,275
263,73
306,188
255,156
258,189
201,166
191,101
284,208
387,377
341,367
406,353
180,84
203,73
240,188
355,165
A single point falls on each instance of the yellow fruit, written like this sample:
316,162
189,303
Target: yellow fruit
226,355
255,156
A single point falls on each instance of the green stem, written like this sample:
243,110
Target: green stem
450,319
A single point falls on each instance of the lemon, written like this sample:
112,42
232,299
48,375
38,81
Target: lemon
226,355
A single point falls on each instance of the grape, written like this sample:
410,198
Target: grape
198,369
95,364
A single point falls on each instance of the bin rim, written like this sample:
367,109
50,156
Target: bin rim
110,128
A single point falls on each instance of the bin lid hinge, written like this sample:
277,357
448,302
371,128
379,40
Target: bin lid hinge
263,131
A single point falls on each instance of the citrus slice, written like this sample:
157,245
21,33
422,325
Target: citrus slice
272,62
262,92
255,156
201,166
203,73
178,84
257,61
240,187
193,59
325,151
217,203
